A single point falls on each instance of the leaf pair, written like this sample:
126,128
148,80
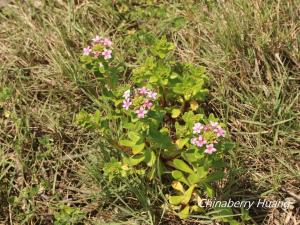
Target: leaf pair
136,142
184,198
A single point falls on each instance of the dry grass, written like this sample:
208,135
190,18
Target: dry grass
251,52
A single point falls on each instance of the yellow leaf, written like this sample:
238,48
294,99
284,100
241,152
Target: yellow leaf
181,142
175,113
183,214
178,186
188,194
194,105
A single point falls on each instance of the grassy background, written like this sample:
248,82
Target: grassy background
50,169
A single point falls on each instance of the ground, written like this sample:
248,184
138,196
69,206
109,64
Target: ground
50,167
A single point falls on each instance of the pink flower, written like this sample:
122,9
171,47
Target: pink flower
96,54
143,90
97,39
197,128
126,104
126,94
107,53
207,127
194,141
210,149
214,124
107,42
152,94
87,50
219,132
141,112
200,141
148,104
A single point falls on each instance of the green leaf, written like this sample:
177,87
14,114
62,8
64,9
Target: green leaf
175,113
126,143
209,191
173,75
160,140
197,209
183,214
228,146
188,195
153,79
170,153
187,96
149,157
192,155
190,118
193,178
181,130
161,47
176,200
214,177
135,137
165,82
137,148
181,165
202,172
182,142
135,160
219,164
178,175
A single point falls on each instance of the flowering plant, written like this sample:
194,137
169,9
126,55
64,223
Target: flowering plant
98,58
142,100
161,127
99,51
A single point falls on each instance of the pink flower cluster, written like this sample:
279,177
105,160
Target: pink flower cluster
147,102
106,43
199,130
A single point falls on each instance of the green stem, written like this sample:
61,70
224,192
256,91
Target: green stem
163,99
